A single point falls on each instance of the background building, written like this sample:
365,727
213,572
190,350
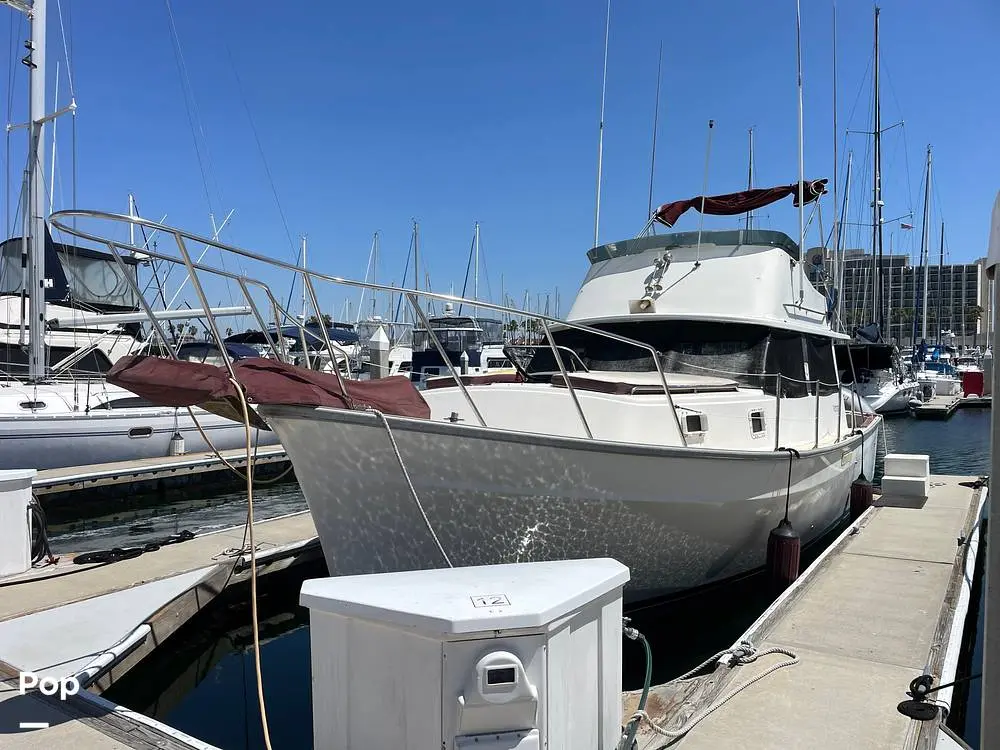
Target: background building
958,296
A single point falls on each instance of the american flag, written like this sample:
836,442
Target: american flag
905,226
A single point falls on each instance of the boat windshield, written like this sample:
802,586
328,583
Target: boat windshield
748,354
456,334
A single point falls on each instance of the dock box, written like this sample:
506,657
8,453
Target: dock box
498,657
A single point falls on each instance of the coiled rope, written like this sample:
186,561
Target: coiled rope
409,484
41,549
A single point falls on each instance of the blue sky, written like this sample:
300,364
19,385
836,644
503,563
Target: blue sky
456,112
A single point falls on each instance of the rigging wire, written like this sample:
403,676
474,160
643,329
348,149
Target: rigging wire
12,74
210,183
190,105
260,149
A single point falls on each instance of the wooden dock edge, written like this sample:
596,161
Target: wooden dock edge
178,611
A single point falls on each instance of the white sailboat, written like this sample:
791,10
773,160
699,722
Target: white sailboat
55,408
879,374
936,378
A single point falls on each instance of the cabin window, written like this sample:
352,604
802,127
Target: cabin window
822,366
695,423
757,423
33,405
785,357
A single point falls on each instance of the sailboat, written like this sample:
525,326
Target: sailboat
879,374
67,314
937,377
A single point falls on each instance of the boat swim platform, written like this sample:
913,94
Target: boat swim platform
939,407
149,475
117,614
878,607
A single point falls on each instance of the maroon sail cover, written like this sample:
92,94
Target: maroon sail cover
738,203
171,382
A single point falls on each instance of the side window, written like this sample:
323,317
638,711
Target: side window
822,366
785,356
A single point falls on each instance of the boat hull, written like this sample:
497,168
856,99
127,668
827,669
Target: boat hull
82,439
678,517
894,400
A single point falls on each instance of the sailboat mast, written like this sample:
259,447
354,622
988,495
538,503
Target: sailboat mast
475,288
416,256
600,127
750,181
375,250
925,240
940,275
36,223
802,200
836,166
837,249
656,121
303,281
877,303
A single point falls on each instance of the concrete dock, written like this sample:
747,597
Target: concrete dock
939,407
95,622
873,612
977,402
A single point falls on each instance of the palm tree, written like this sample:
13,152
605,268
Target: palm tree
973,314
511,328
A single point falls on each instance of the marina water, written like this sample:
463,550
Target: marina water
203,682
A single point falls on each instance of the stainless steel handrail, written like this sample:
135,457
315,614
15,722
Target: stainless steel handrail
58,221
412,299
565,376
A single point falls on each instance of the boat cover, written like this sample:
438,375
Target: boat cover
738,203
178,383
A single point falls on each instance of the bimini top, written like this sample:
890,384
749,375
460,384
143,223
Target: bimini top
674,240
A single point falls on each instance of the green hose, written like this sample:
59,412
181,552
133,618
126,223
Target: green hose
633,725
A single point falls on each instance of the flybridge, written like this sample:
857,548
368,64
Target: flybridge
678,240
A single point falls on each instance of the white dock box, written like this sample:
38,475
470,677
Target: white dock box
15,526
500,657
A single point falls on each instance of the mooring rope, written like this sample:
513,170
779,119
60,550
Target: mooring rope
409,483
253,564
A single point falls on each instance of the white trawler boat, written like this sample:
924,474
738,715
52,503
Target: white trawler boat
691,400
591,455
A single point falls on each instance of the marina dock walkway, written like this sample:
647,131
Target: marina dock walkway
939,407
869,616
95,622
